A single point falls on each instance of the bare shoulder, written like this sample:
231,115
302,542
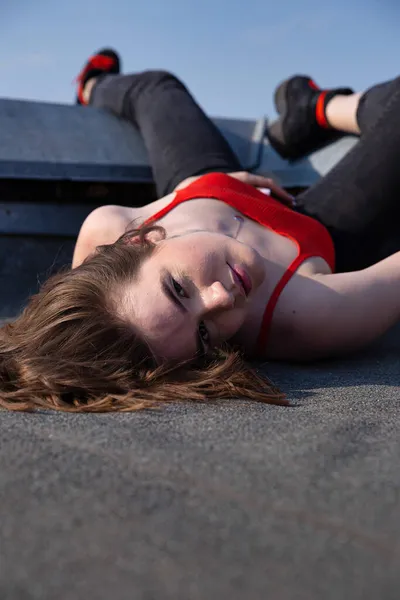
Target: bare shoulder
102,226
118,216
106,224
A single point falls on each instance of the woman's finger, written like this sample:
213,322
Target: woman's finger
265,182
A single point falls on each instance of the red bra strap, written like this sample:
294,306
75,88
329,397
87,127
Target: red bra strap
269,311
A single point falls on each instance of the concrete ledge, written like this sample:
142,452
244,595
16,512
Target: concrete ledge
53,141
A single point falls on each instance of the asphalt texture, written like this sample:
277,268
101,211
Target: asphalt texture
201,502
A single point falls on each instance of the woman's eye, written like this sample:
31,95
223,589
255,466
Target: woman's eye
203,331
179,289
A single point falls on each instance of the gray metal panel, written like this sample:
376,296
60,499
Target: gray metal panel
54,141
75,171
36,132
39,218
243,138
304,172
26,262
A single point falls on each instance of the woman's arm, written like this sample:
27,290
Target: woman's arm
334,314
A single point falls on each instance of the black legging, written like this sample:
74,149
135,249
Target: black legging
356,200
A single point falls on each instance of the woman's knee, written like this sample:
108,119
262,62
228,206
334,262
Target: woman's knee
156,77
375,101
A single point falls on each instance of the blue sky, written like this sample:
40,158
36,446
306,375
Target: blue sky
231,53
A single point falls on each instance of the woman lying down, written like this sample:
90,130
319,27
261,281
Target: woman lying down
165,302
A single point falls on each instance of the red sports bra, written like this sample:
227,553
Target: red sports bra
310,236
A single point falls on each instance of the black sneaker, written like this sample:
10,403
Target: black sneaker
302,126
105,61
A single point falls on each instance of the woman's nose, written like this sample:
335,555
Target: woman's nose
216,296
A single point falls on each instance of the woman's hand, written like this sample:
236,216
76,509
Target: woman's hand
259,181
256,181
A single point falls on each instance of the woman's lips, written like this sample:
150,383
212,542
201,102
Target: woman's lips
242,278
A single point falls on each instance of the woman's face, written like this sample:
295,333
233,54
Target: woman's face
193,293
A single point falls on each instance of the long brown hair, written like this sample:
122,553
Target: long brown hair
71,350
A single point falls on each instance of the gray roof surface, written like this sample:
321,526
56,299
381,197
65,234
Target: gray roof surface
194,502
232,500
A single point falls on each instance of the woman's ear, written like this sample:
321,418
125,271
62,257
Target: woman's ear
154,236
